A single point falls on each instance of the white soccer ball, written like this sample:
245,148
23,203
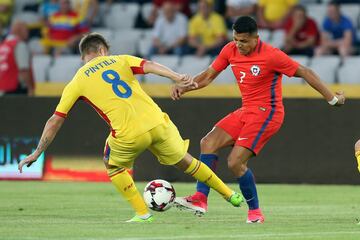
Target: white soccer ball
159,195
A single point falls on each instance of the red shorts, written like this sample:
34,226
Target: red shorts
252,127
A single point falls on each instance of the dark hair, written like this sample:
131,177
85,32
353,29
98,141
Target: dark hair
334,3
301,8
245,24
91,43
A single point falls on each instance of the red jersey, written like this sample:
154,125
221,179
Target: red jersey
258,74
309,29
8,66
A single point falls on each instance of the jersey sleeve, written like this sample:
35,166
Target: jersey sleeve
69,96
282,63
136,64
222,60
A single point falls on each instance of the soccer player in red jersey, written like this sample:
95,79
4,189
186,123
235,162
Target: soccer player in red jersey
258,69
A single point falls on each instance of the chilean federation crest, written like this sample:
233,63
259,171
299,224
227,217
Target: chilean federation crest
255,70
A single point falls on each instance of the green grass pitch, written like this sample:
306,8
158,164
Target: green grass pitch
94,211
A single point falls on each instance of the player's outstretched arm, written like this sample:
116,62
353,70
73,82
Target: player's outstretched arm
183,80
314,81
202,80
50,130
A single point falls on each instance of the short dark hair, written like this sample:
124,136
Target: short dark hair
91,43
334,3
301,8
245,24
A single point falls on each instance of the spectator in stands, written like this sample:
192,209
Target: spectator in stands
302,34
236,8
273,14
339,35
207,30
48,8
87,10
15,73
64,30
5,13
169,32
180,5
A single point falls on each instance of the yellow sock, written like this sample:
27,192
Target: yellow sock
126,187
357,154
204,174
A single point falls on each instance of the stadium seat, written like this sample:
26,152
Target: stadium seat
121,16
40,67
20,4
303,60
146,10
277,38
31,18
194,7
326,67
125,41
35,46
193,65
64,68
148,34
317,12
352,11
144,47
170,61
226,76
107,33
264,35
349,72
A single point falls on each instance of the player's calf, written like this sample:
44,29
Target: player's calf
125,185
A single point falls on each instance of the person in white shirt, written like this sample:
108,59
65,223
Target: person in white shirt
170,30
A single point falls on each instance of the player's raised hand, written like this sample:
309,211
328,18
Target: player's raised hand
341,98
27,161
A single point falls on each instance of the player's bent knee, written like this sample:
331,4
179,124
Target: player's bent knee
357,145
208,145
184,163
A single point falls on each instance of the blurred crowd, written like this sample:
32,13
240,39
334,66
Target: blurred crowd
178,27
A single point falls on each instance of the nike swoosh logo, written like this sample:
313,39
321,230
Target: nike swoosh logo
242,138
232,65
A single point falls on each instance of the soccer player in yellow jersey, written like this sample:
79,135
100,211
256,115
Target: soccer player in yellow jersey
136,122
357,153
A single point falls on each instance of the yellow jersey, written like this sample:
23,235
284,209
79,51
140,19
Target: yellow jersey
108,84
208,30
275,10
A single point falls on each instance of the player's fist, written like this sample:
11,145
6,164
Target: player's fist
341,98
27,161
176,92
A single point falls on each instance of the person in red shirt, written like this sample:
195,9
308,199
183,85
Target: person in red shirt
258,69
15,67
302,34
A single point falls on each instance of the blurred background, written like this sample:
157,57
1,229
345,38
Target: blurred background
39,56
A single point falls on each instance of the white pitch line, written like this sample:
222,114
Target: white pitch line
232,236
270,235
